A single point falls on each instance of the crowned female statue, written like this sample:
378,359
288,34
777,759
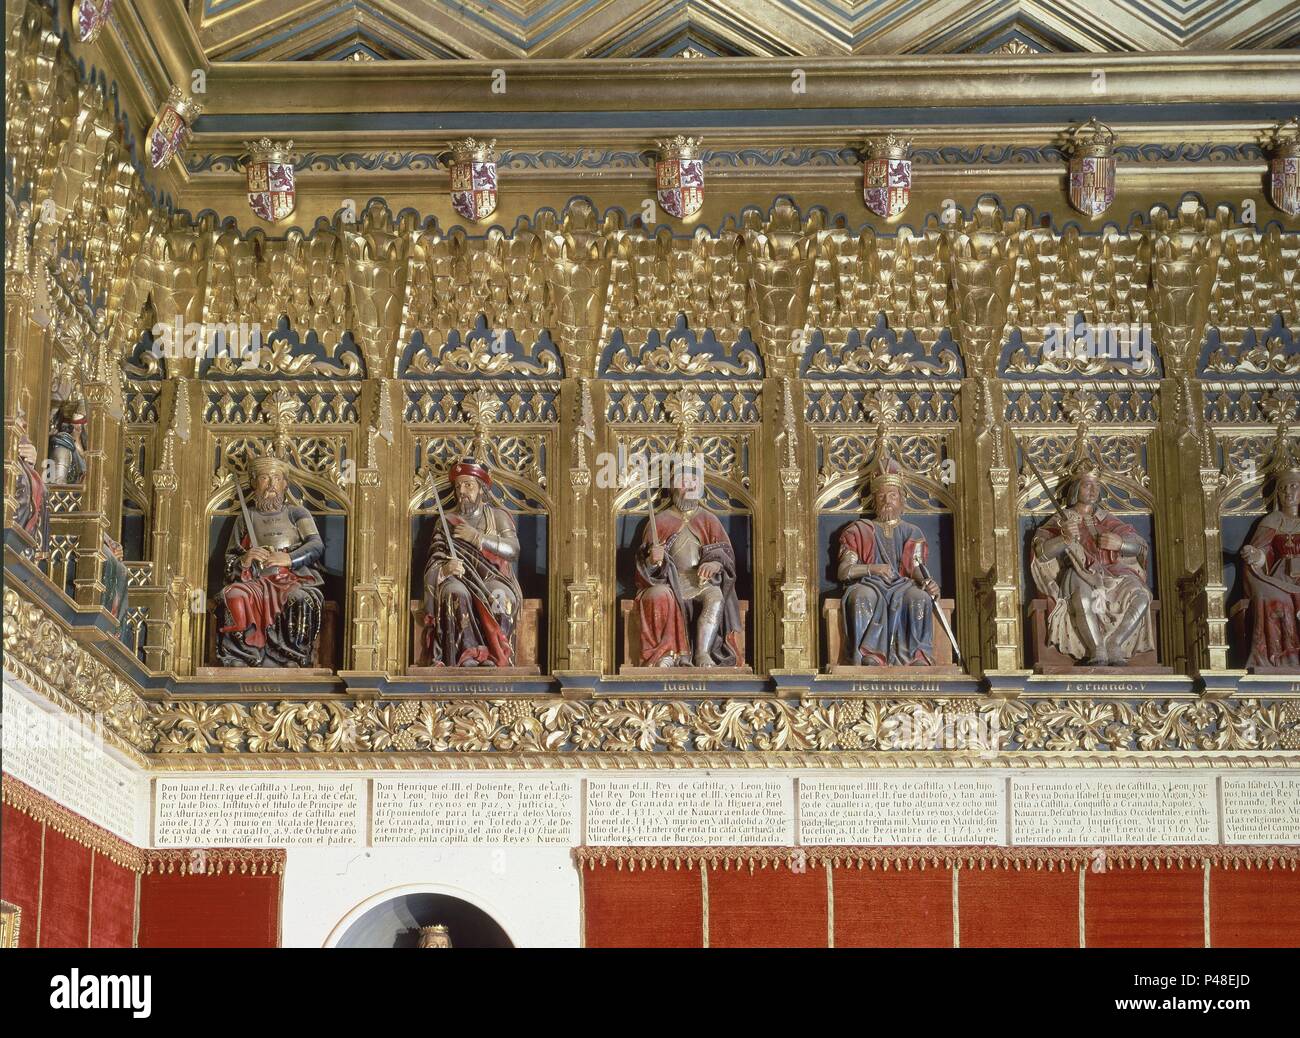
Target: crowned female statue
1272,577
1092,567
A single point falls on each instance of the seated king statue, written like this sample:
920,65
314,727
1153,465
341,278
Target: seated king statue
1092,568
272,601
1272,578
472,598
686,601
888,599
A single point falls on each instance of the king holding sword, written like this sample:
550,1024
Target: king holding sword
272,600
472,597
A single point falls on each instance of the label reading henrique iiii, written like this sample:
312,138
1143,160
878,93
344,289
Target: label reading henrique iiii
690,812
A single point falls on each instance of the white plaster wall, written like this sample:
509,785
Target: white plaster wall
532,892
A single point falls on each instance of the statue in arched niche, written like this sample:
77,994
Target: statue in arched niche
1272,577
686,603
472,598
888,602
272,601
1092,567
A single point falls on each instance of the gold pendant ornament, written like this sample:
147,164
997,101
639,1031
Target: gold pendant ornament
171,129
1284,167
90,16
679,176
474,178
269,169
887,175
1092,167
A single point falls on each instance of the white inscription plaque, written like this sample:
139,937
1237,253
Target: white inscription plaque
694,812
254,812
1261,809
891,810
1113,809
472,809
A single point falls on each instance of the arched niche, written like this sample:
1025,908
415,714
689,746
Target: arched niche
393,920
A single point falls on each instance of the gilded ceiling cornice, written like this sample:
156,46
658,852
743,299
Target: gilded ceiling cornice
929,81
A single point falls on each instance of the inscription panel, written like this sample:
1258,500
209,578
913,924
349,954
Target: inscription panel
54,754
903,810
1261,810
694,812
471,809
1112,809
252,812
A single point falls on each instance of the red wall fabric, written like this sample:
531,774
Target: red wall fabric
112,908
893,908
774,905
1018,908
770,908
20,869
230,910
65,899
643,908
1254,908
1144,908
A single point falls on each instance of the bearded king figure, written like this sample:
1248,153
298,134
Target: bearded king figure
686,601
472,598
272,600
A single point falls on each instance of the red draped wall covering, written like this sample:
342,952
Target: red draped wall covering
79,886
74,881
940,897
233,903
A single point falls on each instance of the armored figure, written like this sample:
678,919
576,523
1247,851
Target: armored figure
1092,567
272,601
67,444
1272,577
686,601
888,598
472,597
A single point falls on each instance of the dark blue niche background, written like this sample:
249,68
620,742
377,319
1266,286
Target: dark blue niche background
939,531
533,571
334,532
631,528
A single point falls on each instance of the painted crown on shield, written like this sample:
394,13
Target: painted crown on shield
468,149
1092,138
266,150
679,147
1284,140
186,107
889,146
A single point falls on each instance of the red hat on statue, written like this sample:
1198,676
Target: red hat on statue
471,467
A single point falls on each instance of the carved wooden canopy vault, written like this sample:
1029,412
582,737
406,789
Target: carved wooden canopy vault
784,331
